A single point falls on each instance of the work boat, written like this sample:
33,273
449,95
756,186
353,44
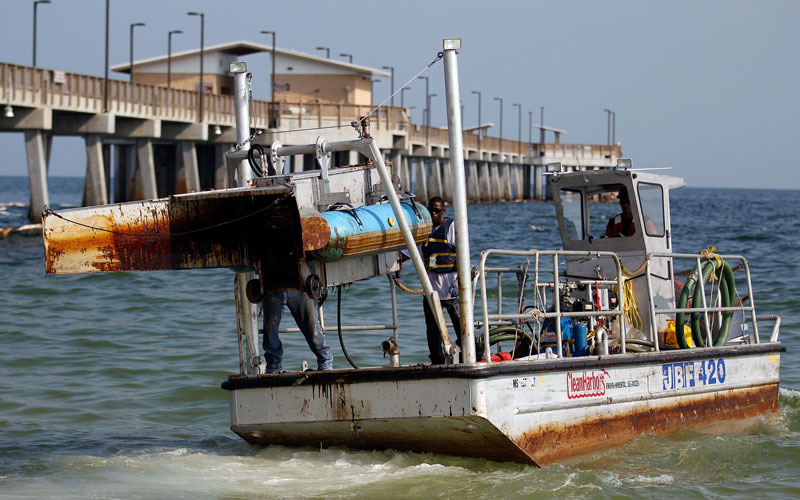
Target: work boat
577,350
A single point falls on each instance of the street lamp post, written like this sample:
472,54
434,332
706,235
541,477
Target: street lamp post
272,57
519,125
426,112
480,130
530,126
501,126
133,25
35,5
327,51
350,56
541,124
392,94
402,94
105,79
202,32
608,126
169,56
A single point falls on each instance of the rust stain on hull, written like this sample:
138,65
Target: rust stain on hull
558,442
208,230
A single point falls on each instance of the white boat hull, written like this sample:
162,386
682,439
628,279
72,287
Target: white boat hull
537,412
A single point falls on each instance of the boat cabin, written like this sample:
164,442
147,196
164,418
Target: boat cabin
623,211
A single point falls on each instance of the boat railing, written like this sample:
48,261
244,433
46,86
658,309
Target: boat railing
704,308
553,287
528,273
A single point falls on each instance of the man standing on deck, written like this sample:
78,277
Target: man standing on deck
439,255
305,311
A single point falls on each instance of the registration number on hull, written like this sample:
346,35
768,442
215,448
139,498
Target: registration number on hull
688,374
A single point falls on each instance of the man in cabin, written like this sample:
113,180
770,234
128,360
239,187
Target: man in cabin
439,256
305,311
622,223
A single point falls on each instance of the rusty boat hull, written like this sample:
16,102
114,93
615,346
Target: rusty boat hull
537,412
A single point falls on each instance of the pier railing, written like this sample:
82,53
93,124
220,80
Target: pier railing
30,87
37,87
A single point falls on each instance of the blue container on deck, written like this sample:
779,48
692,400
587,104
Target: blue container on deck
580,335
371,229
549,338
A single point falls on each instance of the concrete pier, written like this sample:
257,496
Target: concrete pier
159,145
95,189
37,149
188,173
145,171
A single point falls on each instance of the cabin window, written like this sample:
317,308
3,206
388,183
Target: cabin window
572,205
608,217
651,199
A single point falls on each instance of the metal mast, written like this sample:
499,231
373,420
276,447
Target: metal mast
463,266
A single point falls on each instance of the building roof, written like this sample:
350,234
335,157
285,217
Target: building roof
242,47
550,129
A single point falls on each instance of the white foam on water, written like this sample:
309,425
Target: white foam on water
660,479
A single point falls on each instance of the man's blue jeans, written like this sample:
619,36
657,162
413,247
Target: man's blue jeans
306,315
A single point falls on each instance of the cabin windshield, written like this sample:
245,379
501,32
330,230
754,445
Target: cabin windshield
599,212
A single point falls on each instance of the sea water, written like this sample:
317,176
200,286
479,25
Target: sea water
111,382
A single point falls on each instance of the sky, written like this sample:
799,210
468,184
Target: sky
708,88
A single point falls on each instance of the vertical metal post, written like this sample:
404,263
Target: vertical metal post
485,306
541,124
557,304
392,70
133,25
651,307
272,76
202,34
241,99
463,266
105,79
250,317
169,56
519,127
530,127
623,330
501,128
395,326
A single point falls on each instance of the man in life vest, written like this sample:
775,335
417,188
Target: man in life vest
622,223
439,255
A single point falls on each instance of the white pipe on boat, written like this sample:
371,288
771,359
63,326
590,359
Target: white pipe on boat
463,266
255,362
